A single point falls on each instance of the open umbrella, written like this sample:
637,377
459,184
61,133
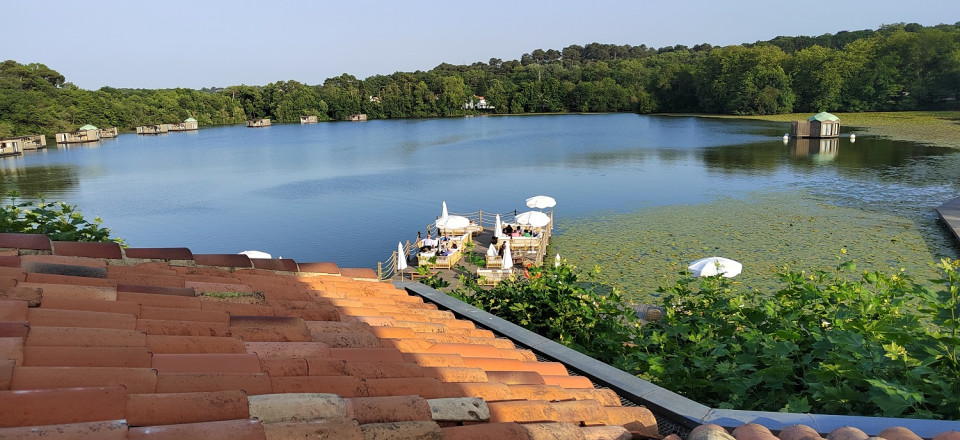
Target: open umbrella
507,258
256,254
710,266
444,213
541,202
498,228
452,222
401,259
536,219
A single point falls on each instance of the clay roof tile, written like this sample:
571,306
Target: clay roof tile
103,430
24,241
240,429
177,408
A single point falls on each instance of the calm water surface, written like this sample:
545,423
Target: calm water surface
347,192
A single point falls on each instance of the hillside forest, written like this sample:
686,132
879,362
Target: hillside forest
893,68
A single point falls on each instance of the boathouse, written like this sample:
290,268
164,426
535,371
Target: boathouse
87,133
187,125
820,125
30,142
357,117
263,122
10,147
308,119
153,129
107,133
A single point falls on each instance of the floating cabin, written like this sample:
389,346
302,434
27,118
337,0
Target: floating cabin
258,123
10,147
107,133
30,142
820,125
87,133
187,125
357,117
153,129
308,119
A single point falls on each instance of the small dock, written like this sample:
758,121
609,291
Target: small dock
472,258
950,214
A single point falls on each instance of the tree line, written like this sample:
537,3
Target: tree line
895,67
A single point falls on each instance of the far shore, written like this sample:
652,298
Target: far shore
941,128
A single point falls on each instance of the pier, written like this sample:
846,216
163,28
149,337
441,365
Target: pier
473,243
950,214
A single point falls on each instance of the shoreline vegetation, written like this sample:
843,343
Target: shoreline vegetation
896,67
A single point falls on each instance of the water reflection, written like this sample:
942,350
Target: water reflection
818,149
30,181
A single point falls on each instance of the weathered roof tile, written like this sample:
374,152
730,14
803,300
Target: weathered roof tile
178,408
241,429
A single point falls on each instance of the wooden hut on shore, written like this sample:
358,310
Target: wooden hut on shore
29,142
308,119
187,125
87,133
10,147
107,133
820,125
262,122
153,129
357,117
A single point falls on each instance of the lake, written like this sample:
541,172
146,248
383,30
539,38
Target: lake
348,192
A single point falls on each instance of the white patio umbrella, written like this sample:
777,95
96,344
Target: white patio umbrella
498,228
452,222
556,261
401,259
444,213
710,266
256,254
541,202
507,258
536,219
492,250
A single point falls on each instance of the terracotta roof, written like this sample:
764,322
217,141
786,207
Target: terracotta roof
102,342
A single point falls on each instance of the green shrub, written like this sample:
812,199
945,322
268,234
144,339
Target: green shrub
58,220
553,302
879,345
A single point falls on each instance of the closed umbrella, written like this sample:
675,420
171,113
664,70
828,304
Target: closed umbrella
401,259
444,213
710,266
507,258
541,202
498,228
492,250
536,219
556,261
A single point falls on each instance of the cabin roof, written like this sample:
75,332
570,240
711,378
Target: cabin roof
824,117
189,120
163,343
88,127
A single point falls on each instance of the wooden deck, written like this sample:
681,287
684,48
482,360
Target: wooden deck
950,214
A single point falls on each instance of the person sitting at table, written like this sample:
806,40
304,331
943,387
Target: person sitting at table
526,233
508,230
428,244
446,237
500,250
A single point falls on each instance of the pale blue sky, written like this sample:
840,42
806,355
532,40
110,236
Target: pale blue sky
200,43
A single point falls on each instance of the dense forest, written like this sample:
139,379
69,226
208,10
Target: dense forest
895,67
